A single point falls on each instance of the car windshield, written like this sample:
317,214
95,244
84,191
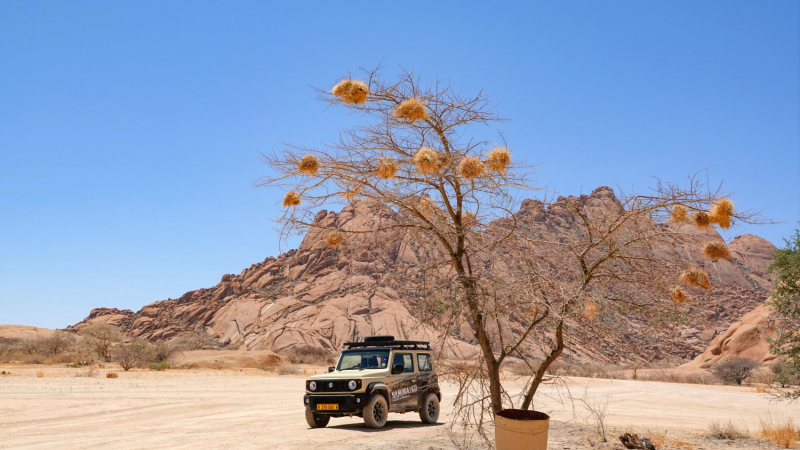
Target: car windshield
363,359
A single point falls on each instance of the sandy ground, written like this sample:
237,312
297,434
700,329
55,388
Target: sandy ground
255,409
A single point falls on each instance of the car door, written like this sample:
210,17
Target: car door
403,385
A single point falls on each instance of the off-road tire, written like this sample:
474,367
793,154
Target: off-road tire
376,411
316,420
429,411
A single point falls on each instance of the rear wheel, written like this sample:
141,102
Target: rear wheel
376,411
429,412
316,420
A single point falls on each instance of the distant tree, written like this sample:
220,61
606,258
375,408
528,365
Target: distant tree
734,370
58,342
196,340
132,354
100,337
785,302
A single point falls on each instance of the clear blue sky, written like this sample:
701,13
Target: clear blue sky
129,130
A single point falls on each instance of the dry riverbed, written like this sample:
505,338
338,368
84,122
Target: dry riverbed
45,407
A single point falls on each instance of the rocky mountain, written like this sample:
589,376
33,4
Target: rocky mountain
320,296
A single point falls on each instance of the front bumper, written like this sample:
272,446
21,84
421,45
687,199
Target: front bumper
348,403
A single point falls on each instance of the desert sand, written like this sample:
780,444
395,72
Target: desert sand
256,409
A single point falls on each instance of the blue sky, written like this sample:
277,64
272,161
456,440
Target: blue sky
129,131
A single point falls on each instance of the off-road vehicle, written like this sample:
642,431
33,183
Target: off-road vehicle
373,378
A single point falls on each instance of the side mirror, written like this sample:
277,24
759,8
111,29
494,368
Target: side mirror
331,368
397,368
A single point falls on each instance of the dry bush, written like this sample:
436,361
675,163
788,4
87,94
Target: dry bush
40,374
88,372
716,250
734,370
159,366
784,433
112,375
195,340
677,377
163,352
58,342
597,408
729,431
100,337
307,354
132,354
286,369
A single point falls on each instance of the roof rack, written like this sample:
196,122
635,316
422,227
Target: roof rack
389,341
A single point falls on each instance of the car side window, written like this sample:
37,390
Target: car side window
424,362
406,360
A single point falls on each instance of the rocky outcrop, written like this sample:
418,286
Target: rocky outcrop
320,296
746,337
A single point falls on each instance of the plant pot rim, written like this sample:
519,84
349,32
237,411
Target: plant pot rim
522,414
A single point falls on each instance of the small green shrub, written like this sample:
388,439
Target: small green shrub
158,366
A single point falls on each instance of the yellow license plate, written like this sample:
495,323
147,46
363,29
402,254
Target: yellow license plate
327,407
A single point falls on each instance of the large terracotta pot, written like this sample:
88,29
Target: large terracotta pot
518,429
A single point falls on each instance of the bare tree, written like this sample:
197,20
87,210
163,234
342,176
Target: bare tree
515,284
100,337
132,354
58,342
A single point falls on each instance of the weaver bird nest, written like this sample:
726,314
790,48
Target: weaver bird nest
308,165
701,219
696,277
387,168
721,213
351,91
678,213
716,250
334,239
471,167
411,110
292,198
427,161
678,295
498,159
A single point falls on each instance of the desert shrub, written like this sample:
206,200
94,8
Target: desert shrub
726,430
163,365
734,370
100,337
196,340
34,359
82,354
307,354
30,346
112,375
40,374
56,343
163,351
286,369
784,433
132,354
677,377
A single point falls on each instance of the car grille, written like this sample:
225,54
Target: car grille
332,386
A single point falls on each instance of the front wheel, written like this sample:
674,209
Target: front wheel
316,420
376,411
429,412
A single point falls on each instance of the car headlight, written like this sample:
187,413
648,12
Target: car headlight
312,385
352,385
